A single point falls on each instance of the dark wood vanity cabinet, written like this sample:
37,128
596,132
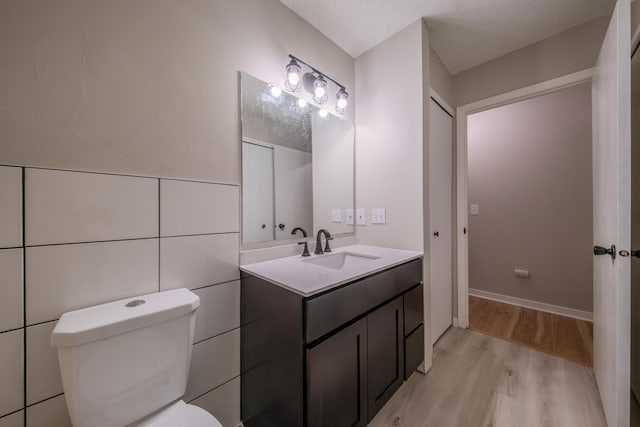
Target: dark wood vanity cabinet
331,359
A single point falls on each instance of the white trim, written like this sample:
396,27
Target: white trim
440,100
455,322
528,92
462,113
540,306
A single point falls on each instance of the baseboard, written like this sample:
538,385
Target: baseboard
455,322
549,308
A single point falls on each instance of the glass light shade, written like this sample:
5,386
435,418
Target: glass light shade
293,76
342,100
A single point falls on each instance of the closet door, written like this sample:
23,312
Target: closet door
440,209
635,228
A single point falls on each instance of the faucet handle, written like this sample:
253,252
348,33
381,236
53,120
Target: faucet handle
305,251
326,245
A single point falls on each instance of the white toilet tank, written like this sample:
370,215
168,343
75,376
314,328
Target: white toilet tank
123,360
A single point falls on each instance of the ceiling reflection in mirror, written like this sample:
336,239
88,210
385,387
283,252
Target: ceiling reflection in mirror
297,167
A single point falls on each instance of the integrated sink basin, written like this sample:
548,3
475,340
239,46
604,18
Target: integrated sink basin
308,276
340,260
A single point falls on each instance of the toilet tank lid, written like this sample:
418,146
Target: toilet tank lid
102,321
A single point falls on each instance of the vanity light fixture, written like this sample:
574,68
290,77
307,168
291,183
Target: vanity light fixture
315,82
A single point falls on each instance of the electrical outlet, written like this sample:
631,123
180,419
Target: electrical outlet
475,209
360,219
336,215
379,216
349,216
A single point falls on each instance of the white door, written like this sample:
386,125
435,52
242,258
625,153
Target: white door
440,201
257,193
611,216
293,191
635,229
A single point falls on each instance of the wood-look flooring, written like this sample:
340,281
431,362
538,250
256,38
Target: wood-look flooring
481,381
565,337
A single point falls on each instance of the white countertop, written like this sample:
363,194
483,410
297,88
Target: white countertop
306,279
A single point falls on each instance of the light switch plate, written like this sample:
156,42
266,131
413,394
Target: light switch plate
349,216
360,219
379,216
336,215
475,209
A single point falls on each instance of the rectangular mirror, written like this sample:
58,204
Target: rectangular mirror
297,166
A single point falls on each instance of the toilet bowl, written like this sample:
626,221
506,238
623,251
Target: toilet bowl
179,414
126,363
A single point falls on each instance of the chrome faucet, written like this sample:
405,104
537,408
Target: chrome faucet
327,237
305,251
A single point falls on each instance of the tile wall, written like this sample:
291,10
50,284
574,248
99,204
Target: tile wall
74,239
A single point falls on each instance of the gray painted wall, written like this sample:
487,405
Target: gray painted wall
392,145
530,172
565,53
440,79
109,86
147,88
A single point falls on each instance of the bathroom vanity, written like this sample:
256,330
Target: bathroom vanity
326,340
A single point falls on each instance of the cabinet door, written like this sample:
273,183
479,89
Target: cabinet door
385,350
337,379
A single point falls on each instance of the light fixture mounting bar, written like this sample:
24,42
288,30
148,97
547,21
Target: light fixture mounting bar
315,70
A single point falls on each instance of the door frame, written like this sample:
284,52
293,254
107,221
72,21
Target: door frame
462,113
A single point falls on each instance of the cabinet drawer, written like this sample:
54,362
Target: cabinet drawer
327,312
413,309
413,351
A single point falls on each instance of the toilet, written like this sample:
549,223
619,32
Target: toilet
126,363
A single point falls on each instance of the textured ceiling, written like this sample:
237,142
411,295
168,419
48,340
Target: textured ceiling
464,33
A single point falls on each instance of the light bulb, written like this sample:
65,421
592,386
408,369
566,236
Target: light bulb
276,91
319,92
342,103
323,113
302,103
294,79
